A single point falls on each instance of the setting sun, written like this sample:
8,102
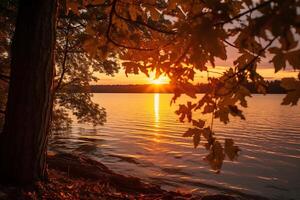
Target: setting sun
150,99
159,81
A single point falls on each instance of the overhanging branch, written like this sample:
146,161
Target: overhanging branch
110,39
244,13
169,32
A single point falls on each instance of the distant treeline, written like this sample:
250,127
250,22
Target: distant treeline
273,87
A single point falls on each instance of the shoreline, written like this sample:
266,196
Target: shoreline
72,176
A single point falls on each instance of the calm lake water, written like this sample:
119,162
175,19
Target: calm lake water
143,138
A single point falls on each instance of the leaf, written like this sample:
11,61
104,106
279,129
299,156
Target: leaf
196,139
230,149
289,83
208,109
279,62
223,113
190,132
207,133
133,67
235,111
210,39
216,156
200,123
288,41
292,87
293,58
90,46
185,111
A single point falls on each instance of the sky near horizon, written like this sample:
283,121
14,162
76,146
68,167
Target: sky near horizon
121,79
266,69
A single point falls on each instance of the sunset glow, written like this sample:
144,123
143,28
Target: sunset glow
122,79
160,80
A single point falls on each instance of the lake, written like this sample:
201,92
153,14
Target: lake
143,138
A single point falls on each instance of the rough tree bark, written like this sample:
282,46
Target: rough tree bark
23,141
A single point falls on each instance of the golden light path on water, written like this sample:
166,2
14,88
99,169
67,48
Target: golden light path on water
156,108
156,117
143,138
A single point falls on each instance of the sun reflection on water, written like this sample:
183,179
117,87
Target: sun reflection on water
156,117
156,109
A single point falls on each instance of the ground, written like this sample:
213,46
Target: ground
75,177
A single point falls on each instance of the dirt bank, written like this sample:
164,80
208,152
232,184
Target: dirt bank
76,177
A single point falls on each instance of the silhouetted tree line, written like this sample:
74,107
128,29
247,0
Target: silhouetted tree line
272,87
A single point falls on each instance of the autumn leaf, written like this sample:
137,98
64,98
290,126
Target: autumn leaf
208,109
222,114
196,139
190,132
230,149
292,86
90,46
293,58
200,123
216,156
279,62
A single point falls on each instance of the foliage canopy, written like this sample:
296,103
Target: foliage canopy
178,39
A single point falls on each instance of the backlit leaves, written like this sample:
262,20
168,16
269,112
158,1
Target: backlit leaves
196,139
185,111
198,123
230,149
179,39
292,87
216,156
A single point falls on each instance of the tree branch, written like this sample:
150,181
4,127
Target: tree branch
183,54
169,32
244,13
64,59
254,59
110,39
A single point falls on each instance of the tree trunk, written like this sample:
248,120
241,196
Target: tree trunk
23,141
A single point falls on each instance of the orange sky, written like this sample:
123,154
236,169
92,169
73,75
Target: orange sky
265,68
121,79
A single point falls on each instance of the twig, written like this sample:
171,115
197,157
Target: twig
244,13
64,59
169,32
109,38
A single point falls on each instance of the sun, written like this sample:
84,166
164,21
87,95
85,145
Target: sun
159,81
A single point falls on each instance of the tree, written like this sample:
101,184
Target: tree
24,137
23,142
70,62
205,32
174,38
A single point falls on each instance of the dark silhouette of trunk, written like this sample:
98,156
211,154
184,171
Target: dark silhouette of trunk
23,141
